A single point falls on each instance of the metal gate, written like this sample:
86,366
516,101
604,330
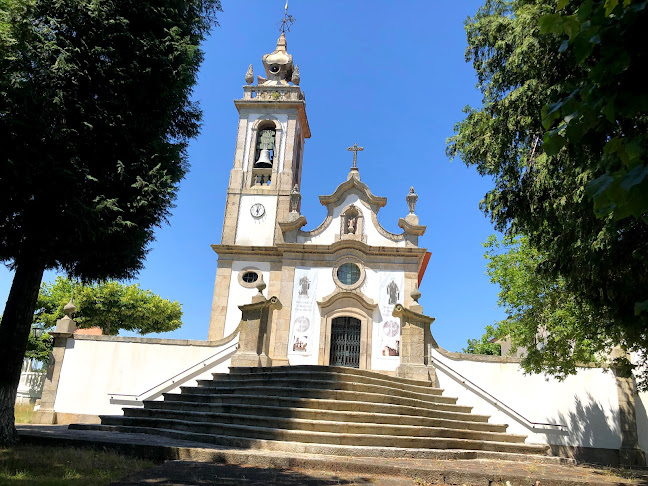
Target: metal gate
345,342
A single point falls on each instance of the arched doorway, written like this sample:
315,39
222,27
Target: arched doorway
345,342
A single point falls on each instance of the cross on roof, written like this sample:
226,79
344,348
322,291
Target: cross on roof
355,149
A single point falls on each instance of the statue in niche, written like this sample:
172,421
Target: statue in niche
352,224
393,292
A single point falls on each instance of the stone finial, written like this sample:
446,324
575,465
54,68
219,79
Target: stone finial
295,76
249,75
278,65
295,199
411,198
70,308
416,294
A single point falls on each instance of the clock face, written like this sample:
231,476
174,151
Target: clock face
257,210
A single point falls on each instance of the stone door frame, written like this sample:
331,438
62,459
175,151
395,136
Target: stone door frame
346,304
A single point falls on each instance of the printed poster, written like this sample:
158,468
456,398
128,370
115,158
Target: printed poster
391,293
305,314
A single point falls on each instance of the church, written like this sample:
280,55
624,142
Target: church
338,284
317,342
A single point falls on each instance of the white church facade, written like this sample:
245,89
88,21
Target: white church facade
339,283
342,294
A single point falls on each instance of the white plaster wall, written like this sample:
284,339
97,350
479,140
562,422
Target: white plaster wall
641,410
327,237
256,231
283,120
587,402
239,295
93,369
370,288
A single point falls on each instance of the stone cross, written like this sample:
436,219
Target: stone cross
355,149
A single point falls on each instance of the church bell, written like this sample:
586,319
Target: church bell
264,159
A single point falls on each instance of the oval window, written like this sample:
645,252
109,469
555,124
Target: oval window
348,273
250,277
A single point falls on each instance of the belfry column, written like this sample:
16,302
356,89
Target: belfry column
272,128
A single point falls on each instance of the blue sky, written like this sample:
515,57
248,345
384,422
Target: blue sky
388,75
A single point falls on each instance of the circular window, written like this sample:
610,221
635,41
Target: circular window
249,277
348,273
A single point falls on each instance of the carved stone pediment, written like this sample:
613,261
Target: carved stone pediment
353,183
347,298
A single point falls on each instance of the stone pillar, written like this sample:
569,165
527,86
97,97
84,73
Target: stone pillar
629,453
65,328
256,320
413,349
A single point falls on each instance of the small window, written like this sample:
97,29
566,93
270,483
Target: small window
348,273
250,277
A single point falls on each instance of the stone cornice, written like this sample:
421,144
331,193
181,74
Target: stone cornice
402,311
353,183
252,104
246,250
295,224
363,300
400,251
272,303
283,248
412,229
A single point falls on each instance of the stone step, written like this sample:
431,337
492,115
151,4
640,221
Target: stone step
309,425
432,401
456,422
457,413
305,375
335,438
329,369
327,449
290,382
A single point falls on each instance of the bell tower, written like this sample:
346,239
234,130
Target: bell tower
267,167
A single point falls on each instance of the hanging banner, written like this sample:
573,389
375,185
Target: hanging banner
391,293
305,315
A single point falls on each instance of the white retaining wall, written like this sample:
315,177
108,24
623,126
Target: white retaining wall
96,366
586,403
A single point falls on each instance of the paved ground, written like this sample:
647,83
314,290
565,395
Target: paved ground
190,463
186,473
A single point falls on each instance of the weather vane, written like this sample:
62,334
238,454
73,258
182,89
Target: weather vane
287,21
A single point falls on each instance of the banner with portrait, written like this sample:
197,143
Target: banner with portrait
391,293
305,315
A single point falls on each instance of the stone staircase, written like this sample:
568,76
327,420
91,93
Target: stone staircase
328,410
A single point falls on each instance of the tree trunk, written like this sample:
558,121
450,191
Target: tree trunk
14,333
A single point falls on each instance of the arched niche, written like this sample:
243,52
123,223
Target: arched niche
351,224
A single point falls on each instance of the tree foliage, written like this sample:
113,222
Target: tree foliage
95,118
485,344
607,109
541,183
110,305
557,330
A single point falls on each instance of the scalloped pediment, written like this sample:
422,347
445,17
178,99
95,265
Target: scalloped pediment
353,183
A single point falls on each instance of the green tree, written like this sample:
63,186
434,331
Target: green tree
95,119
485,344
557,329
110,305
540,188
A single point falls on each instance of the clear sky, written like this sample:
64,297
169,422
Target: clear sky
389,75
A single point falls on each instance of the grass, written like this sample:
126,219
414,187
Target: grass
30,465
24,412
